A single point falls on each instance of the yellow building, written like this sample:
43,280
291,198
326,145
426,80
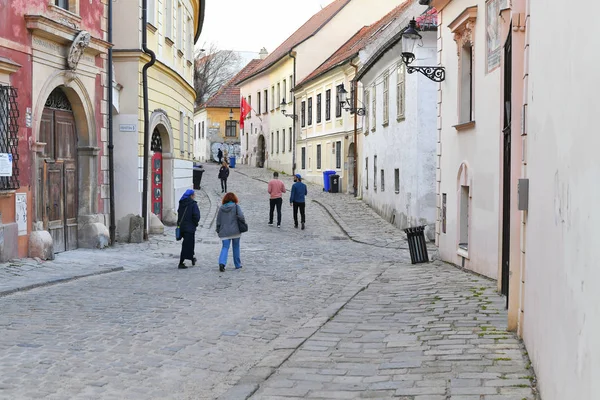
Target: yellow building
216,121
173,27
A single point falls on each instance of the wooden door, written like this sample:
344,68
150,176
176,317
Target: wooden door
59,186
157,174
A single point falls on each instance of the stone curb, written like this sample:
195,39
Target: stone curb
57,281
285,347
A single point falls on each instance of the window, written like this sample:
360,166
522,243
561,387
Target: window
278,95
443,212
273,98
285,90
303,114
291,140
202,129
386,98
367,172
258,102
250,104
374,109
169,19
277,142
272,143
397,180
367,105
400,92
248,134
463,240
283,140
291,88
151,6
328,105
310,111
375,173
9,135
179,37
190,39
338,105
318,156
196,131
338,154
303,158
466,85
319,108
230,128
181,122
266,101
62,4
189,136
382,180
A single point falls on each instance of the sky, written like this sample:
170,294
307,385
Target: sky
249,25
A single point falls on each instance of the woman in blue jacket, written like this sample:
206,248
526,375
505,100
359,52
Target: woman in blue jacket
188,217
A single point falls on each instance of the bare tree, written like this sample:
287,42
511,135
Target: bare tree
212,69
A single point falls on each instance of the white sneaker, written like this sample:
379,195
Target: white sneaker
270,224
279,226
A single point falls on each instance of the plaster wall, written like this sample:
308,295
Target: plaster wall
257,124
561,312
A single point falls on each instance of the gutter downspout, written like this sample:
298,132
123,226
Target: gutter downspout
355,106
146,117
292,54
111,157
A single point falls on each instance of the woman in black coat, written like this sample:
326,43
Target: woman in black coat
223,175
188,216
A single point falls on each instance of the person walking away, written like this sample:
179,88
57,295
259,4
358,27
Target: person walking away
220,156
223,175
229,231
188,216
276,189
298,200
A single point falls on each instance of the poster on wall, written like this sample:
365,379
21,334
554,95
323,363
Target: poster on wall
492,32
21,212
6,164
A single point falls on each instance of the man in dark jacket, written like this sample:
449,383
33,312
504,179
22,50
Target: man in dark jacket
188,217
220,155
298,200
223,175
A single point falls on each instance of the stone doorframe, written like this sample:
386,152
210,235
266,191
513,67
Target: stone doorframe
159,119
92,233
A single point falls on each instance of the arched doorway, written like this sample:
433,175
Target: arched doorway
260,155
58,197
350,172
157,174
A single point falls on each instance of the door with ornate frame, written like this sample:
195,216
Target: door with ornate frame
157,174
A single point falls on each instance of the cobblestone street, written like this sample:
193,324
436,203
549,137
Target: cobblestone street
332,312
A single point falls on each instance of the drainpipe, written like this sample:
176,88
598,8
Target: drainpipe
111,158
293,55
146,117
355,106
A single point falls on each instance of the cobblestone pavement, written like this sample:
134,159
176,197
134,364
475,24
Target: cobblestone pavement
311,315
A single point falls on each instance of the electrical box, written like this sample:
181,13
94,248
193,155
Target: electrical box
523,190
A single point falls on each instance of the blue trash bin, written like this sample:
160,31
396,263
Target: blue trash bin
231,162
326,181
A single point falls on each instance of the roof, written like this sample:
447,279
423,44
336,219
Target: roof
229,94
306,31
360,40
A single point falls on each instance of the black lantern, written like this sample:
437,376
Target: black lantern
231,114
342,94
283,111
409,40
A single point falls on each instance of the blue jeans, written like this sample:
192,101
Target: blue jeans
236,252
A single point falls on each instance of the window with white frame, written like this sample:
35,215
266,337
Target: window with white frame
202,129
272,143
466,84
179,38
285,90
382,183
397,180
338,154
318,156
375,173
374,108
169,19
190,39
400,92
310,111
291,88
258,102
291,138
277,142
181,131
303,114
367,173
303,157
328,105
266,101
189,137
230,128
273,105
367,105
319,108
386,98
283,140
151,12
278,95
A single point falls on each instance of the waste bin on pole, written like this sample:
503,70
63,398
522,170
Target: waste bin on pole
231,162
326,181
334,183
417,244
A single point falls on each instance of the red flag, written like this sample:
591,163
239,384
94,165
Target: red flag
244,111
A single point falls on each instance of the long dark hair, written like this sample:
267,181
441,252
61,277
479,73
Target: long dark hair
230,197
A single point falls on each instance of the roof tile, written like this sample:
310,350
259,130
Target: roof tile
229,94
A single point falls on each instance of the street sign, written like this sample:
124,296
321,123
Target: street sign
127,128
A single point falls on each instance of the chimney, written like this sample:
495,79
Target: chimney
263,53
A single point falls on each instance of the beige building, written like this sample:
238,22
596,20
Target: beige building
173,28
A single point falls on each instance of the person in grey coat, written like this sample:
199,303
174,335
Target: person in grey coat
229,231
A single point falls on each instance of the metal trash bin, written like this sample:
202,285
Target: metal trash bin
417,244
326,181
231,162
197,177
334,183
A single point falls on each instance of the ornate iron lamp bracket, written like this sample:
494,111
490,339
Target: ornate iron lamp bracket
436,74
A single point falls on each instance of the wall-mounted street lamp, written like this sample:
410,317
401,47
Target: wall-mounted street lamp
345,102
409,40
283,111
231,114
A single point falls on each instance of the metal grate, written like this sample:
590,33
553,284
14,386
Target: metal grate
9,134
58,101
156,143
